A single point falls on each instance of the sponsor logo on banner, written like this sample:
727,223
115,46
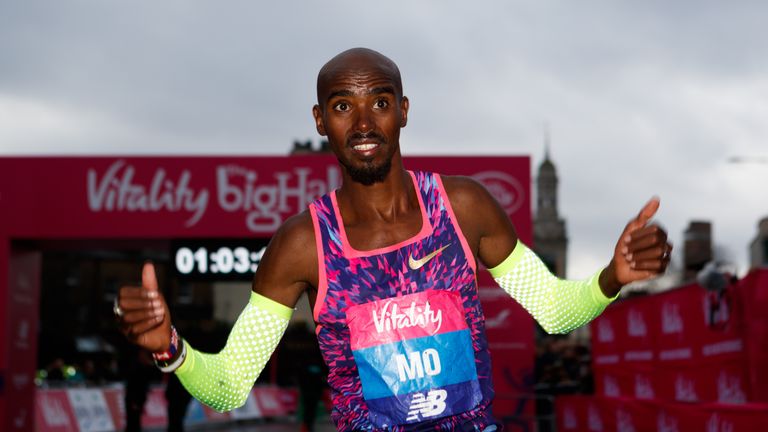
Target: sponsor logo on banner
675,354
604,330
666,423
499,320
91,410
724,347
20,381
643,387
716,424
685,390
238,189
594,421
624,421
116,189
22,334
20,419
611,388
729,389
506,189
249,410
645,355
607,359
570,421
671,321
636,324
54,413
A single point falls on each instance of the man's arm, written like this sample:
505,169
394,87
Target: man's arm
558,305
224,380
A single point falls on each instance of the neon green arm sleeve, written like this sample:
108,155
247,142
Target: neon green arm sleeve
558,305
224,380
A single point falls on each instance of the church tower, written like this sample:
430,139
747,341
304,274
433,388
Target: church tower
549,237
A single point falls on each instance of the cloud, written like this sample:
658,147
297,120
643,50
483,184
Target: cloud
641,98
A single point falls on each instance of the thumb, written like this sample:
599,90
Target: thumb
148,277
646,213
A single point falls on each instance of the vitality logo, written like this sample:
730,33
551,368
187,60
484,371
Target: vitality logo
433,404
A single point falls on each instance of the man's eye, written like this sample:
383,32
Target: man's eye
341,106
382,103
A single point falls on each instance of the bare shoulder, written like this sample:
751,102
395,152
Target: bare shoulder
297,230
289,265
467,193
486,226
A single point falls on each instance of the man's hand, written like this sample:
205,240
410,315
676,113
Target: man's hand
641,252
145,318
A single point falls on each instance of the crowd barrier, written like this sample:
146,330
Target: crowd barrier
684,360
686,345
602,414
102,409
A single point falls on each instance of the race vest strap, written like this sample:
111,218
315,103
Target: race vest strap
224,380
558,305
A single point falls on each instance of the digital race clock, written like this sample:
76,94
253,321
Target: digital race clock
217,259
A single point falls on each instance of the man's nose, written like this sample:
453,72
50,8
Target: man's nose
364,121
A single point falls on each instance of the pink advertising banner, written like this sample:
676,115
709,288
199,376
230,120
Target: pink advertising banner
101,197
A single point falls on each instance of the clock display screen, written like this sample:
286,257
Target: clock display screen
226,259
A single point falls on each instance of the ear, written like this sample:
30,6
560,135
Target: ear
404,105
318,115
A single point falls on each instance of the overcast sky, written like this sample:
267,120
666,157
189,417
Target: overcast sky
642,98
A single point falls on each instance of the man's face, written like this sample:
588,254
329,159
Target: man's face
360,110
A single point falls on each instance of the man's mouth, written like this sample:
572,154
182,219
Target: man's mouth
365,147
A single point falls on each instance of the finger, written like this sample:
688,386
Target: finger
655,265
645,238
654,253
654,260
137,310
645,214
148,276
135,331
648,210
131,292
136,316
133,304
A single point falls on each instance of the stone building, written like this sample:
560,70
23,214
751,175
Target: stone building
550,240
758,250
697,248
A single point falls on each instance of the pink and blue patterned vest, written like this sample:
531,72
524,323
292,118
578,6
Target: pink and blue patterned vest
401,328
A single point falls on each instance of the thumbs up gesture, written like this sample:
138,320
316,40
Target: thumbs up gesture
143,314
641,252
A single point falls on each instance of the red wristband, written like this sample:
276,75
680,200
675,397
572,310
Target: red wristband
171,351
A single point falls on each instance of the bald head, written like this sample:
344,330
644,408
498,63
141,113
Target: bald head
357,61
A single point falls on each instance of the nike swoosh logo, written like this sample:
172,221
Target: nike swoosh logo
416,264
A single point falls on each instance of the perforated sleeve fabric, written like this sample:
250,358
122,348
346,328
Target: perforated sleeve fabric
558,305
223,381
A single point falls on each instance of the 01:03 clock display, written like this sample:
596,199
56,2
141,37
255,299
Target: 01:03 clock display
217,260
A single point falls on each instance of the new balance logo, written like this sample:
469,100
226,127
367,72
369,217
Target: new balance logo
431,405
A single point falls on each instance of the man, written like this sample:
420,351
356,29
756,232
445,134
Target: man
391,279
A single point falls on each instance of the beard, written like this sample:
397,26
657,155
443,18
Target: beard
369,173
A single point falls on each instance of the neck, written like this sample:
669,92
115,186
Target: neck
385,200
